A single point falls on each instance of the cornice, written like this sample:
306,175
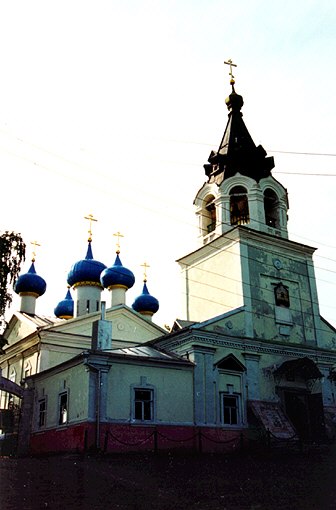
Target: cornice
252,346
244,234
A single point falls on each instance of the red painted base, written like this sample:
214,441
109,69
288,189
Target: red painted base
130,438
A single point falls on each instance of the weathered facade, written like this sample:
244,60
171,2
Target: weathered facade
251,354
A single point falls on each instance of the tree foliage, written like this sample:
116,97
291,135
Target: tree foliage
12,254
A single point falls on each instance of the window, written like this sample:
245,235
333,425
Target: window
27,369
63,408
42,413
12,375
143,404
208,216
239,210
230,407
211,215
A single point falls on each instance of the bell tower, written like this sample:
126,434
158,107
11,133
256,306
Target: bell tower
246,261
240,189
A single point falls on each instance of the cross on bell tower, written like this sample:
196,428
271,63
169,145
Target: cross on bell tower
232,80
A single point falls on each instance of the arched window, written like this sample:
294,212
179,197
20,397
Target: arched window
12,374
209,215
27,369
239,210
271,208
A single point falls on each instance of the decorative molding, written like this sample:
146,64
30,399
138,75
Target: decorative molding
255,348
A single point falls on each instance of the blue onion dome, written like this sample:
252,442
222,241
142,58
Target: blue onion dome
86,271
117,276
65,308
145,303
30,283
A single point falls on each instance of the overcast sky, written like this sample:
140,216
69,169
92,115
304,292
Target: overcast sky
112,108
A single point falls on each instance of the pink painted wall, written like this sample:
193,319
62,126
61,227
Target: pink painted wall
127,438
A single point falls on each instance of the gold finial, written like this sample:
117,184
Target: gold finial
145,266
90,218
34,243
118,235
231,64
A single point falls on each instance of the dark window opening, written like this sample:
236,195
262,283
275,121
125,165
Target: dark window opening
271,208
230,410
212,213
143,405
88,306
42,413
239,210
209,217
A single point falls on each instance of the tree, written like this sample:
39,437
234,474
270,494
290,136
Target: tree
12,254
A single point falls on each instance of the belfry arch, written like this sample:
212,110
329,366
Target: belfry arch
271,207
239,208
209,217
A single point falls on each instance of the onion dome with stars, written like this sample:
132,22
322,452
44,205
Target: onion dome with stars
30,283
65,308
146,304
86,272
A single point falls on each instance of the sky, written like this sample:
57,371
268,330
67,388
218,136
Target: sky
111,108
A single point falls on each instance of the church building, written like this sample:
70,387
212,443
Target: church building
251,353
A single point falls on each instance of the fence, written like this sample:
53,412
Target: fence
155,440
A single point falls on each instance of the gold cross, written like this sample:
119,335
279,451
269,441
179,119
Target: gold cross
118,235
231,64
145,266
34,243
91,219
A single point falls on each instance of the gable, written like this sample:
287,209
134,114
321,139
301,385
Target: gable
231,323
19,327
231,363
127,326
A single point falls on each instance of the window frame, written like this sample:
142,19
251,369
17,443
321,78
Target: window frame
237,397
144,402
63,410
41,413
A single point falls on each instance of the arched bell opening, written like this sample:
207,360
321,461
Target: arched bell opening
271,206
239,209
209,215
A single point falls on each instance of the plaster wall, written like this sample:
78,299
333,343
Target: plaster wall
74,381
300,323
173,389
213,286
